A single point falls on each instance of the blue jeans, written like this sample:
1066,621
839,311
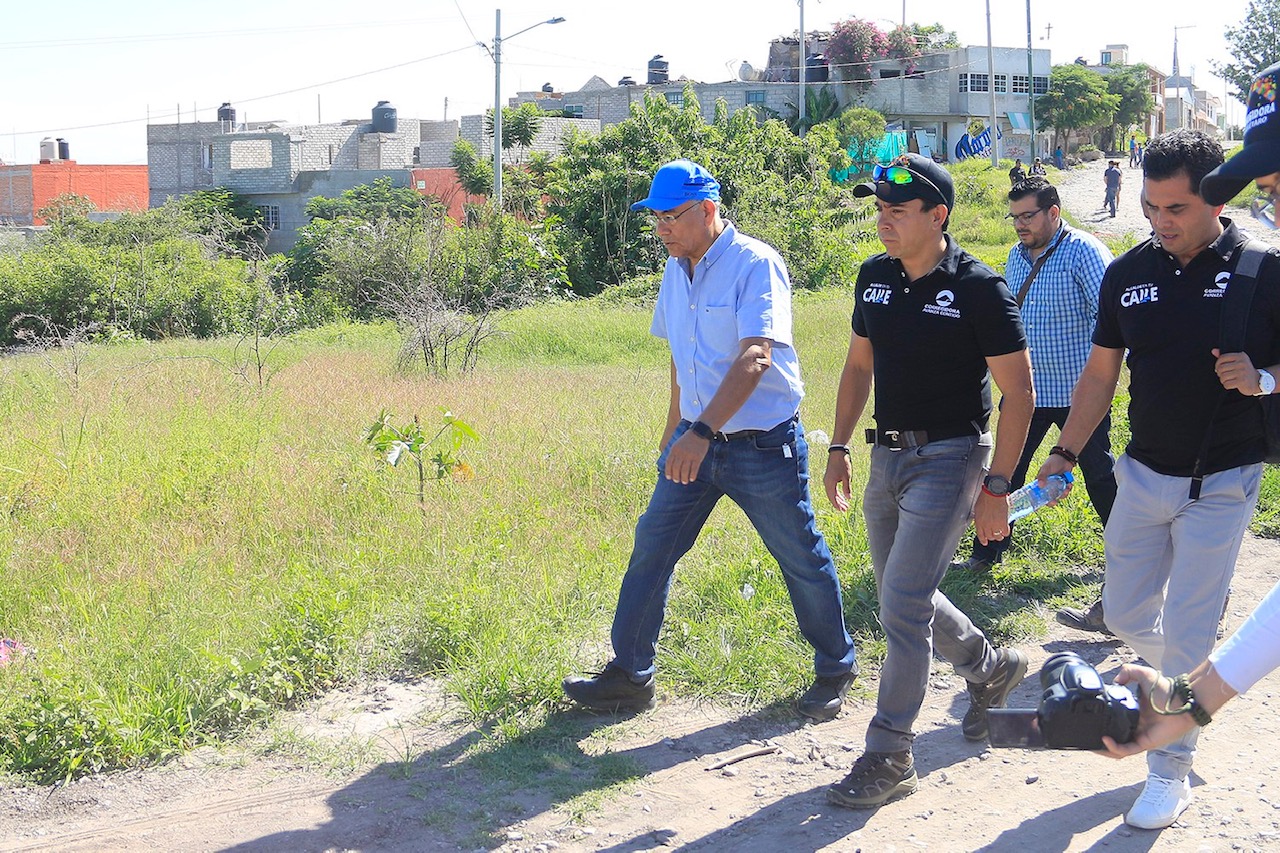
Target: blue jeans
917,504
768,477
1096,463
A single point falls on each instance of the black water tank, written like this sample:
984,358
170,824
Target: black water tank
64,149
815,68
658,70
227,113
384,118
626,81
548,88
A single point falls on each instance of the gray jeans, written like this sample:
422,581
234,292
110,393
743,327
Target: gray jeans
1169,562
917,504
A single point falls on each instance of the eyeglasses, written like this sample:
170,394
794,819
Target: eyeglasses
668,219
899,174
1264,209
1025,218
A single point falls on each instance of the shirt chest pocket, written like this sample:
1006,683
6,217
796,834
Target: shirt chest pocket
717,328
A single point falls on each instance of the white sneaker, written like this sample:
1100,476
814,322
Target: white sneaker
1160,803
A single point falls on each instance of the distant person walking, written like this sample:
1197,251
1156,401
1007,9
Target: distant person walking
1112,178
1037,169
732,429
1133,151
1059,159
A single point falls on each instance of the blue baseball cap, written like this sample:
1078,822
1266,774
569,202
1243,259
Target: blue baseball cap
677,182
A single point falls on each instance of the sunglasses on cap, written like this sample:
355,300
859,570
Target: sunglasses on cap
900,174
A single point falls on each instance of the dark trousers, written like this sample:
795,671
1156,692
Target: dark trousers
1096,463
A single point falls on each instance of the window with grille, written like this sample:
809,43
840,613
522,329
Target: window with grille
1021,84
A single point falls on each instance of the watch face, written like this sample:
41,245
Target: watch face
1267,381
996,484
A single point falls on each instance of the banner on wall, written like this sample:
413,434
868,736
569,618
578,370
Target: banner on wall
976,146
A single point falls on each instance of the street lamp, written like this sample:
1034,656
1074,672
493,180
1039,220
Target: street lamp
496,54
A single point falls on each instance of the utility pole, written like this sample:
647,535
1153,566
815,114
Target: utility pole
1031,87
991,89
803,67
1177,75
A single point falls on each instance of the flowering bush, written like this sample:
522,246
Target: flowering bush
853,45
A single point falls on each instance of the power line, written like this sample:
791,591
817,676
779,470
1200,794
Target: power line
132,38
170,114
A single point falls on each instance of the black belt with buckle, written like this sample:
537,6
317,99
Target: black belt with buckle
901,439
738,436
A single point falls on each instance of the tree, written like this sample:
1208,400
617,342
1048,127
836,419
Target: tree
475,175
933,37
230,220
1133,86
860,130
1077,99
1255,44
820,105
64,208
369,202
520,125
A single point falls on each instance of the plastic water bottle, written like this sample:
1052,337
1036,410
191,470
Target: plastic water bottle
1031,497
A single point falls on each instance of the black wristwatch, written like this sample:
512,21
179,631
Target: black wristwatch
701,430
996,486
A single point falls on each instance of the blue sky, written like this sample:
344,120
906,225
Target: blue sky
93,72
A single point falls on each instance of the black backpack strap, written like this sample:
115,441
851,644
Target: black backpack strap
1236,302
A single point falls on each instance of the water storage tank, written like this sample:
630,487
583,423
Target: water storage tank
548,88
48,149
227,113
64,149
626,81
658,69
384,118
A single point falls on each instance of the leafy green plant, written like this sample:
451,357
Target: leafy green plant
394,444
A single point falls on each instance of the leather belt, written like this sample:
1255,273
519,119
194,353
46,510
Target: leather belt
737,436
901,439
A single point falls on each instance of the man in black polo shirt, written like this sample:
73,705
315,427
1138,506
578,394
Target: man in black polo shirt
929,321
1186,492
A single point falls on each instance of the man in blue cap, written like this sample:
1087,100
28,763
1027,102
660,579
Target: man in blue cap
732,429
931,326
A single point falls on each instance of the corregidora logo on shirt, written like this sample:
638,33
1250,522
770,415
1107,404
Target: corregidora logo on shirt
1219,289
942,305
1137,294
877,294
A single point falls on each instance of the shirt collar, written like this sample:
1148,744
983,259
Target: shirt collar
1058,236
720,245
1224,246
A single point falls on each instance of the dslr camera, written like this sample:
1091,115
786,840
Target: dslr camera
1076,710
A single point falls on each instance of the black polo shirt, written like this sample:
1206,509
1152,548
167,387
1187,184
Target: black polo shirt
932,336
1170,320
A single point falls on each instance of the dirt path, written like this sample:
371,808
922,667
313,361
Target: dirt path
414,781
1081,189
420,788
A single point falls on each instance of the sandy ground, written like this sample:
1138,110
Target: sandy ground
418,783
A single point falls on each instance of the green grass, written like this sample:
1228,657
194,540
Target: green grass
188,550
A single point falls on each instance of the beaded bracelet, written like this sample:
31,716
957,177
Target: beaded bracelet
1059,450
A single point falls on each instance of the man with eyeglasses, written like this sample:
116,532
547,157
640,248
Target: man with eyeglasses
1189,477
732,429
931,326
1054,272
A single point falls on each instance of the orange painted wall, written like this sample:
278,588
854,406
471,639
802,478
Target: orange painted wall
122,188
443,184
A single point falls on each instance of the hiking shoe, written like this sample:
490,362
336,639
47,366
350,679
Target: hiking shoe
824,697
1160,803
611,689
1011,665
973,564
876,778
1089,619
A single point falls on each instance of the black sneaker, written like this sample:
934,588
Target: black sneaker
1089,619
824,697
876,778
611,689
1011,666
973,564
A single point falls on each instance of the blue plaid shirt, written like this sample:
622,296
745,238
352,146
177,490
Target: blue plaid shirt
1060,309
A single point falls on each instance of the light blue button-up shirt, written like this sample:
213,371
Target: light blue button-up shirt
740,289
1060,309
